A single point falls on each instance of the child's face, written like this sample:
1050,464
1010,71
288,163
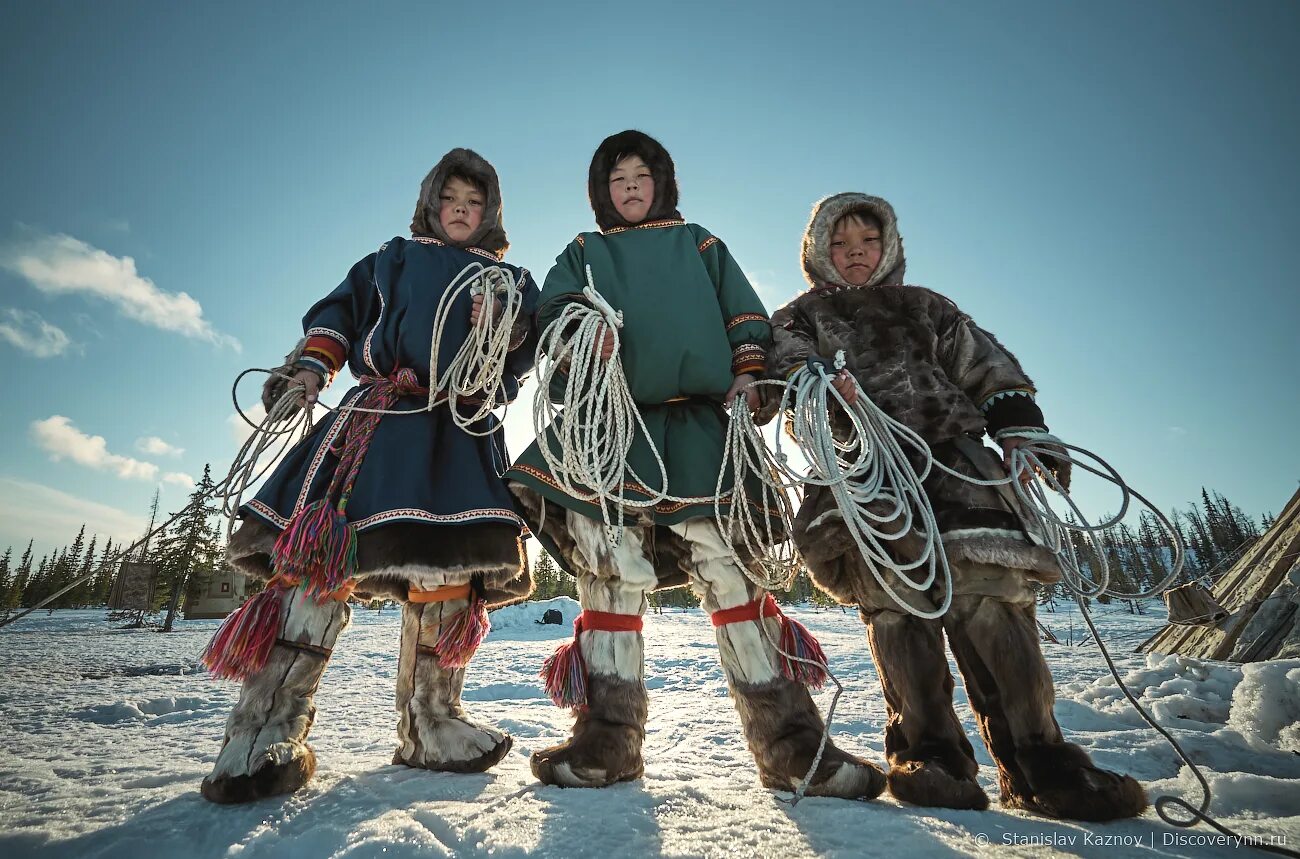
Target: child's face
461,211
855,249
632,188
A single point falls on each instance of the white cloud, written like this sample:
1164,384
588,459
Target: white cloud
59,438
62,265
27,331
178,478
239,428
53,517
155,446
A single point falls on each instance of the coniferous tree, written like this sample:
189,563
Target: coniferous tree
142,555
102,584
6,578
190,541
80,596
21,579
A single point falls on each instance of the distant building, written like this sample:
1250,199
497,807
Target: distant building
218,593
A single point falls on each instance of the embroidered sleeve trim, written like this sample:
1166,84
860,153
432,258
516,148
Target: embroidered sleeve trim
708,243
582,243
746,317
748,358
332,334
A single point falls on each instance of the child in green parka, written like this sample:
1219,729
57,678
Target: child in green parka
694,335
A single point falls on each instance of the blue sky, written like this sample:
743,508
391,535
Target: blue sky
1110,187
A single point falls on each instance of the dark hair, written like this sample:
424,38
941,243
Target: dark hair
468,180
866,216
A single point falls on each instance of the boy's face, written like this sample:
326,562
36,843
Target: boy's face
461,210
856,249
632,188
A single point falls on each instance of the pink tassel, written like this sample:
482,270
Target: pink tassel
461,636
243,643
798,641
564,674
319,547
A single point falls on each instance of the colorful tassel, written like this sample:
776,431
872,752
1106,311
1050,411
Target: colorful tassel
243,643
796,640
460,637
319,547
564,674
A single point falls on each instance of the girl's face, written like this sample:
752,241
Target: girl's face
856,249
632,188
461,210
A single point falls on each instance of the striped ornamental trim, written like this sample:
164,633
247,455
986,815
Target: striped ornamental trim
745,317
426,240
708,243
748,358
651,225
582,243
331,334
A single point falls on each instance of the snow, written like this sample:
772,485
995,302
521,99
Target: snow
107,733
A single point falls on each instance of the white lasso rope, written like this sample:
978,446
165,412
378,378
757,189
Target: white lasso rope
478,367
599,422
894,480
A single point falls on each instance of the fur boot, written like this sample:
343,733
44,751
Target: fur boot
607,735
1010,689
433,730
931,762
606,744
265,751
779,717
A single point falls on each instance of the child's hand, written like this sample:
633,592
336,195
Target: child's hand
476,309
751,394
843,383
1009,444
605,348
310,380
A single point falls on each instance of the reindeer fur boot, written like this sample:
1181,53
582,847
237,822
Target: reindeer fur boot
1010,689
433,730
265,751
780,719
931,762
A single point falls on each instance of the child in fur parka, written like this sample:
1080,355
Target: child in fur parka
927,365
408,507
694,334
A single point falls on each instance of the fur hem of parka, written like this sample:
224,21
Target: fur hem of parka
394,558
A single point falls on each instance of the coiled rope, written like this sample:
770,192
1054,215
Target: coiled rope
477,370
869,468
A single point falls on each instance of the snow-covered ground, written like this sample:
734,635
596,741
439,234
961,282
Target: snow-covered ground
106,734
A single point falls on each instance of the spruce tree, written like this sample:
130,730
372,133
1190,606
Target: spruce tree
6,578
189,542
79,597
102,584
21,579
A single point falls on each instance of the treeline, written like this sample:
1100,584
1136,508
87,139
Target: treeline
191,543
1214,530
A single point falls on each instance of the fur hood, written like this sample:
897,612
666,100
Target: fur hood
491,233
817,265
631,142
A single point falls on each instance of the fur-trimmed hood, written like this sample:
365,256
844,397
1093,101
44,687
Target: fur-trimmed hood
491,233
816,256
631,142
